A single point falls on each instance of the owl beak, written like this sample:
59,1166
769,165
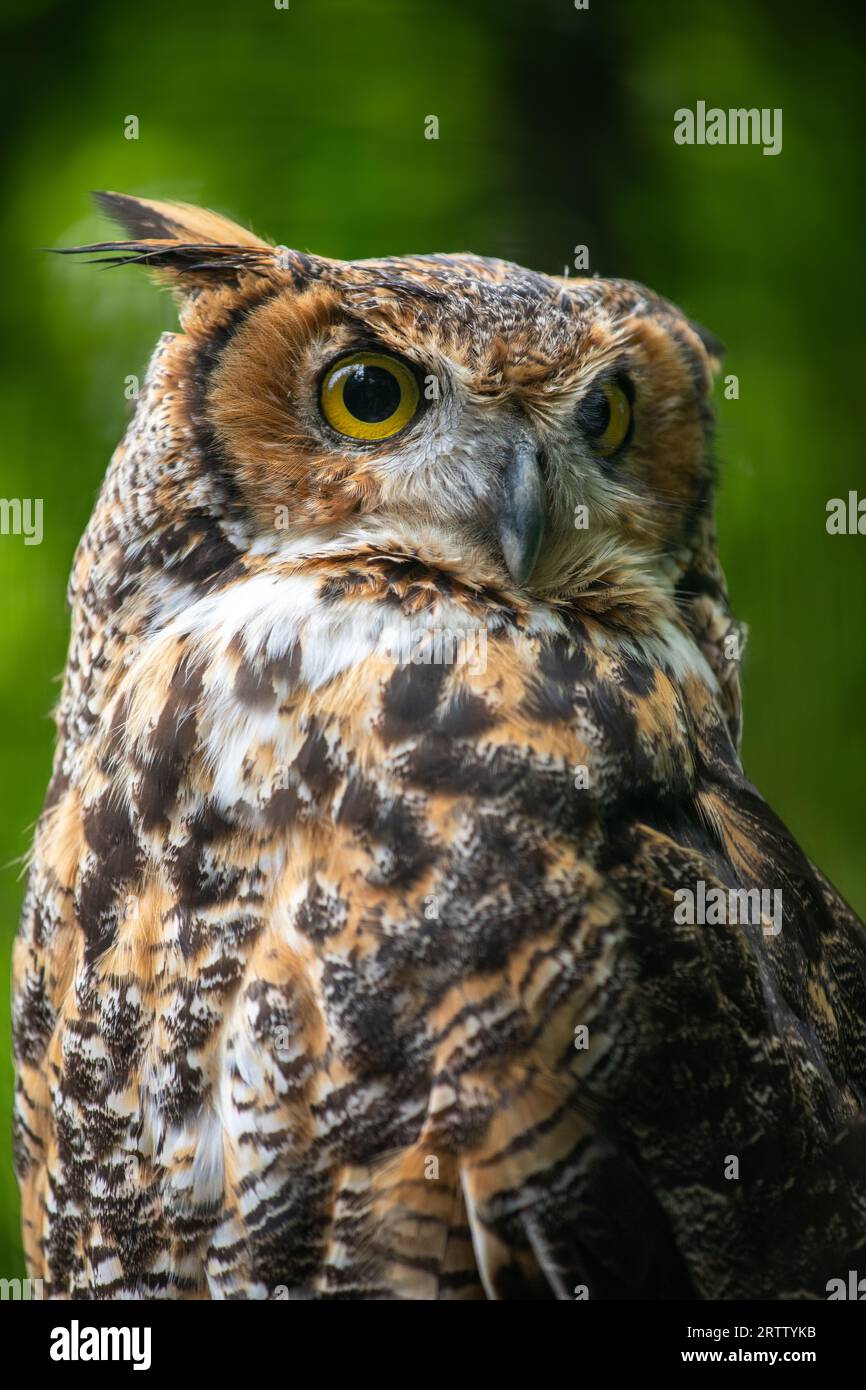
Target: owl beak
521,513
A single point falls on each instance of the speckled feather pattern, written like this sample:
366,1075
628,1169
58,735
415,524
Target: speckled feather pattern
309,928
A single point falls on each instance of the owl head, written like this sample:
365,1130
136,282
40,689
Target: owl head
548,437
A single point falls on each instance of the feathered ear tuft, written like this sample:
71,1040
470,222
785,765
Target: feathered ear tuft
190,246
145,218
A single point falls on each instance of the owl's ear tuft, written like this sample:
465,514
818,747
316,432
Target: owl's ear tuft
147,219
191,247
714,347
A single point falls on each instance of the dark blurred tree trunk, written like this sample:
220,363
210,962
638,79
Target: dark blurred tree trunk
562,74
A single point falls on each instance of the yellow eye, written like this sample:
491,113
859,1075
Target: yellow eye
369,395
605,415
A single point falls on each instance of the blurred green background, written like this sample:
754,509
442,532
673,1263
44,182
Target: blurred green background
555,129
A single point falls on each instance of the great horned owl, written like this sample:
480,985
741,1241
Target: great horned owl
400,721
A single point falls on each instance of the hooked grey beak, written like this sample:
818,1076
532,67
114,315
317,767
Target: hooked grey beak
520,516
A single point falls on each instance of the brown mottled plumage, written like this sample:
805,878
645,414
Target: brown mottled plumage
311,925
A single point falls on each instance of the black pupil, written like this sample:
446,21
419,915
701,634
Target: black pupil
371,394
594,413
